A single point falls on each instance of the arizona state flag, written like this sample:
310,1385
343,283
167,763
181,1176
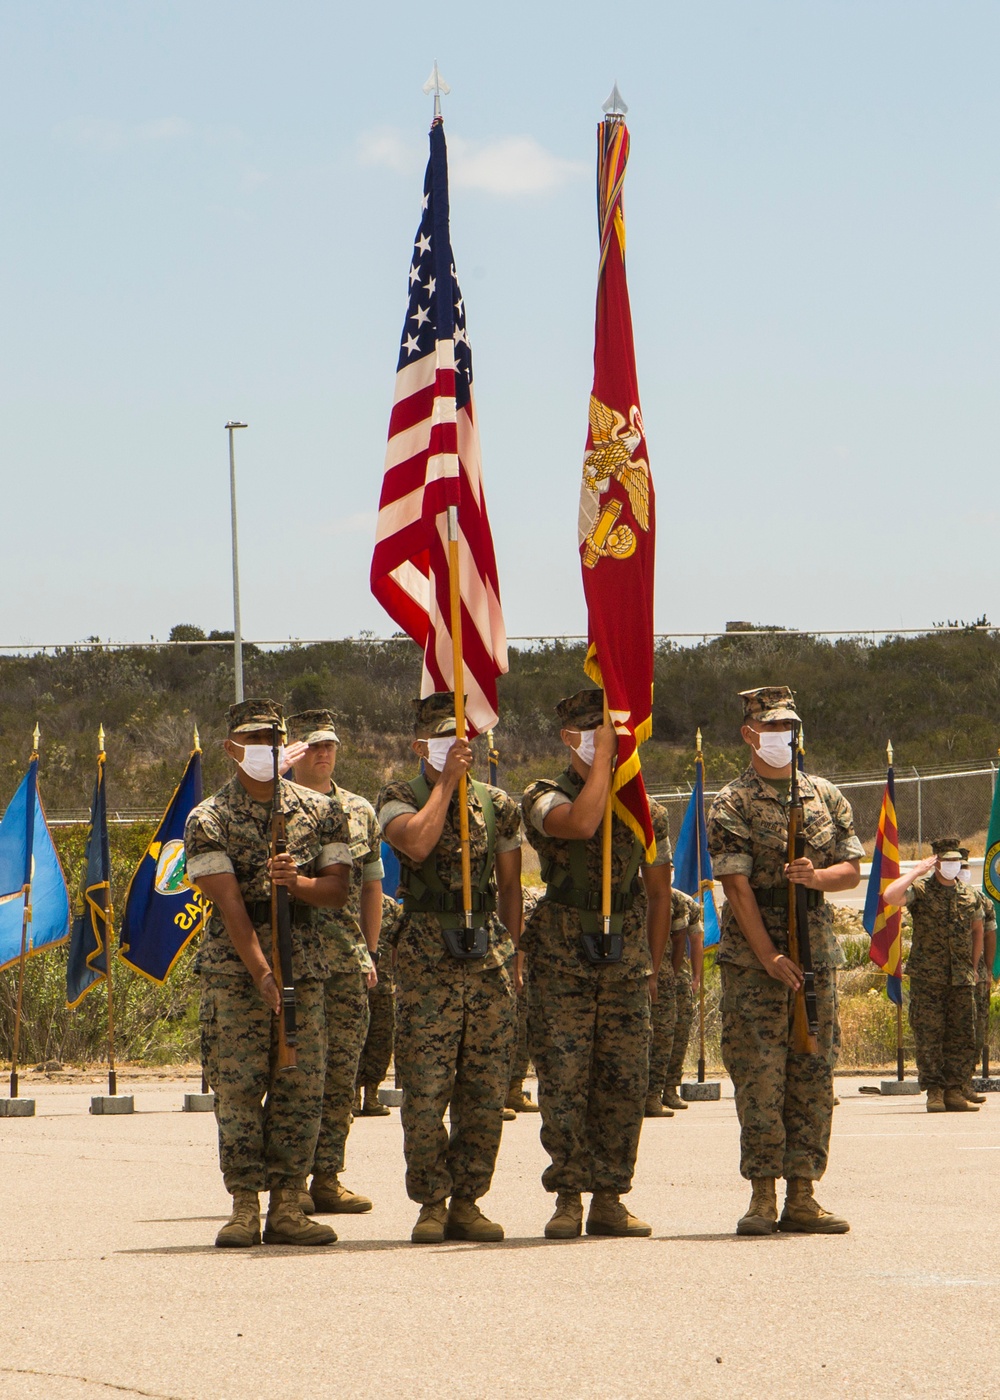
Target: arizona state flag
882,921
617,513
163,911
91,931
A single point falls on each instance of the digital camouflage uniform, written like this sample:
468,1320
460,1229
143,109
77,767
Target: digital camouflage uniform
377,1051
784,1099
262,1146
346,983
521,1056
588,1025
942,1009
672,1026
984,974
455,1018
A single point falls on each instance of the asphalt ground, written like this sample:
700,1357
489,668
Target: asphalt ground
111,1285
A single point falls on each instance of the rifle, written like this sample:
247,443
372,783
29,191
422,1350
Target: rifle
281,926
805,1017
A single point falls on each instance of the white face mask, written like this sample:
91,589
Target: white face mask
586,747
965,875
774,747
950,869
258,761
438,751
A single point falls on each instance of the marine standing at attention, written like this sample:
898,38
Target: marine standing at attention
268,1118
784,1098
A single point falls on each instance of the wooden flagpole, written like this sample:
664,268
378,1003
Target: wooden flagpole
900,1062
700,763
109,915
25,921
458,666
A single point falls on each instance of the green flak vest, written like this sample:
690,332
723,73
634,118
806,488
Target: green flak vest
575,891
425,891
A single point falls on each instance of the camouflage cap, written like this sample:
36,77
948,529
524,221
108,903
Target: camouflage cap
248,715
963,851
434,715
947,848
767,703
584,710
313,727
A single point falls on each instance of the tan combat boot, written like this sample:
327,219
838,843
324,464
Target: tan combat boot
672,1098
356,1108
935,1100
467,1222
431,1221
655,1109
608,1216
330,1198
956,1102
508,1115
761,1216
567,1219
803,1214
286,1223
242,1229
971,1094
306,1203
373,1108
519,1101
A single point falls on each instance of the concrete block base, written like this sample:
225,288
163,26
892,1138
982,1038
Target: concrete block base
693,1092
120,1103
17,1108
986,1086
392,1098
899,1086
199,1103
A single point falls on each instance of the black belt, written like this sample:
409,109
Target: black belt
449,902
777,898
260,911
573,898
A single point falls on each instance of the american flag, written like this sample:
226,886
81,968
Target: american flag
432,462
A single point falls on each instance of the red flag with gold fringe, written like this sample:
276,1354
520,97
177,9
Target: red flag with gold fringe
617,522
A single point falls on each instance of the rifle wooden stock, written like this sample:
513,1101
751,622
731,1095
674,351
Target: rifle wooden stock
281,931
805,1016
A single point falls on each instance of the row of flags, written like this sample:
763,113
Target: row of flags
163,911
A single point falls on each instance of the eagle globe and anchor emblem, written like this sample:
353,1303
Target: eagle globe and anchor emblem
615,440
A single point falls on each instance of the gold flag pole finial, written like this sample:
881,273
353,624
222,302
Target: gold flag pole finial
100,739
697,741
35,740
888,752
197,740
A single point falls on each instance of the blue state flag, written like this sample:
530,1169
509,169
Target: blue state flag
29,867
163,910
692,863
91,931
390,867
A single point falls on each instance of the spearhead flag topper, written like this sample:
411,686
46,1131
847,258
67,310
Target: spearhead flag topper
163,910
617,510
883,922
88,943
692,862
28,858
432,463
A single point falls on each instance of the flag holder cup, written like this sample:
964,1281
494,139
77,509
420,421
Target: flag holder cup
17,1108
706,1092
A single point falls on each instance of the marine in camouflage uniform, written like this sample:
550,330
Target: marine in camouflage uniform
984,974
784,1098
455,1016
346,935
588,1023
666,1057
268,1118
377,1051
517,1100
945,948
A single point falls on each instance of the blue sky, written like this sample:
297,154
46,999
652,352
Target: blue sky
208,209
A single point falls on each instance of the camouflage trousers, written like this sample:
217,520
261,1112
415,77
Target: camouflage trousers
784,1100
590,1043
943,1021
454,1028
662,1023
983,990
345,1003
377,1052
520,1058
268,1119
682,1026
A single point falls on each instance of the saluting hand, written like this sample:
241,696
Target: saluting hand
605,743
459,761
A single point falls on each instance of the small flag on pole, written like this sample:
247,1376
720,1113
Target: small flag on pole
692,862
88,957
617,522
991,866
432,463
883,922
163,910
28,858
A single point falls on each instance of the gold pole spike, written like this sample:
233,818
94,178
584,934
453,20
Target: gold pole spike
100,738
197,740
36,738
697,741
888,752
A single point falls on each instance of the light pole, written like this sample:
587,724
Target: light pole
237,632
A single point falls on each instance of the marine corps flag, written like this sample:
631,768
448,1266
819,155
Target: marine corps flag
163,911
617,512
89,937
